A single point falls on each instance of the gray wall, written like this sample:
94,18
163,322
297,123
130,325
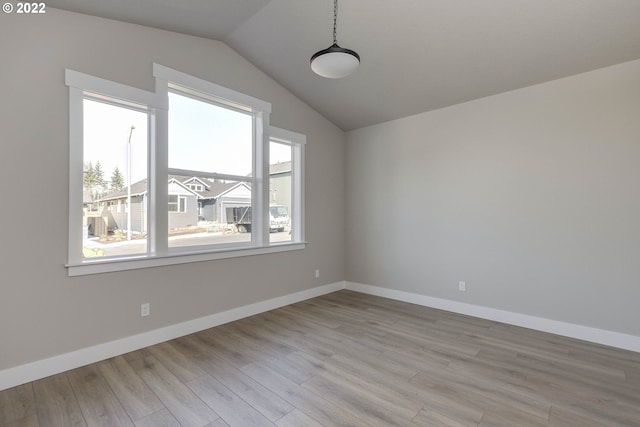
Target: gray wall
532,197
43,312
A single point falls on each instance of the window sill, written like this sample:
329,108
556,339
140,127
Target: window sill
134,263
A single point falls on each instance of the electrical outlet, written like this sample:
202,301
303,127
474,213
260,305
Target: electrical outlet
145,309
462,286
317,274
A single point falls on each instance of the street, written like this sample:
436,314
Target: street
139,246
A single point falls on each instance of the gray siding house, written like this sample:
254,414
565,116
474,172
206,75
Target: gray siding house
214,197
190,199
280,184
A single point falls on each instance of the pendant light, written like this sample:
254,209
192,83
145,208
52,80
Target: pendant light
335,62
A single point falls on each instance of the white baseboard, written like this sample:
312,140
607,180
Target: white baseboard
43,368
586,333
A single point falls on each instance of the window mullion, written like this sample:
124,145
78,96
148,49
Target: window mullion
158,179
261,195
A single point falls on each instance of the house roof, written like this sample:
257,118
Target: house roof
137,189
280,167
212,190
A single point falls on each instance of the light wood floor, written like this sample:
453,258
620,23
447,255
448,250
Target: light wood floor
344,359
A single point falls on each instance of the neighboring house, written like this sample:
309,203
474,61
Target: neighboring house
280,184
115,204
215,197
191,199
87,199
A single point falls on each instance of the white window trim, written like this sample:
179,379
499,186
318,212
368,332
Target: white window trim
164,75
80,84
156,104
298,142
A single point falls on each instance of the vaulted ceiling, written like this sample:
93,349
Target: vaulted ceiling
417,55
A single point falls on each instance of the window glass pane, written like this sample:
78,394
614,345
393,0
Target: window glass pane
280,186
220,213
115,145
209,138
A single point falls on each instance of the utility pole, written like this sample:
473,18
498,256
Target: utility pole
129,184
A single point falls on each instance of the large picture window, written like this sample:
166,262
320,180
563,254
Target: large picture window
211,144
190,172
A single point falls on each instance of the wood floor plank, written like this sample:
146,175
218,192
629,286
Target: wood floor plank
299,311
252,392
577,367
251,348
28,421
623,359
56,403
258,337
98,404
231,408
293,324
534,348
185,406
178,363
432,417
485,393
393,388
223,345
343,314
428,339
566,385
134,394
371,407
560,416
312,404
286,330
297,418
289,367
335,343
161,418
483,369
17,403
499,417
402,399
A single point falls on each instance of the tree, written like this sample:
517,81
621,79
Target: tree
93,179
98,175
89,179
117,180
